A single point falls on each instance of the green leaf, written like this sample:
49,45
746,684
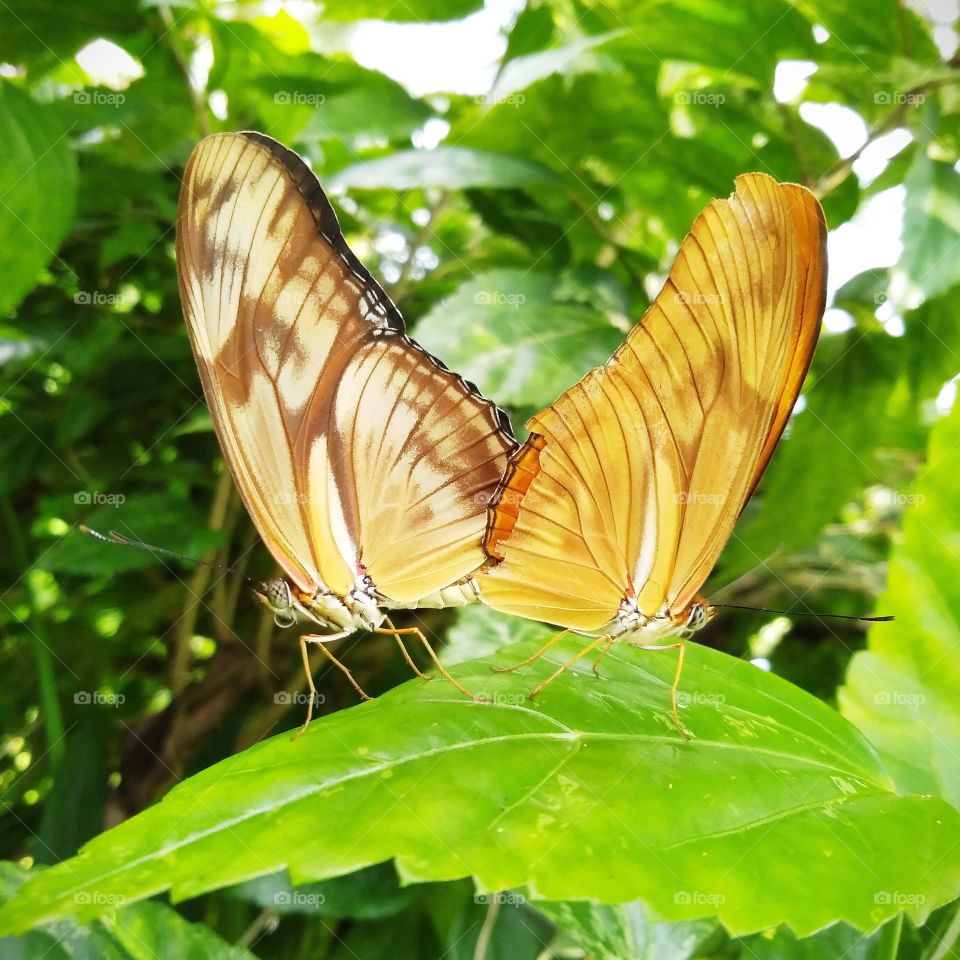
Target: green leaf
520,73
837,940
882,26
452,168
369,894
777,810
852,374
746,38
614,932
141,931
38,185
515,334
929,264
480,632
532,31
902,690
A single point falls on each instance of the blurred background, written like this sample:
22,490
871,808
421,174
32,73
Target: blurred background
519,175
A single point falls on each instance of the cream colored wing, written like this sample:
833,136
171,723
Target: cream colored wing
630,484
356,452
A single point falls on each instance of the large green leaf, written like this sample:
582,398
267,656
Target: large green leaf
38,185
902,690
776,811
516,335
450,167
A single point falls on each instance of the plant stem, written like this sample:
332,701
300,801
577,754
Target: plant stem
196,587
486,931
842,169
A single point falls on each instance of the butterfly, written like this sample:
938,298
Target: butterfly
365,464
614,511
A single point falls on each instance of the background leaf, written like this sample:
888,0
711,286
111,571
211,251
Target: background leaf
36,158
901,690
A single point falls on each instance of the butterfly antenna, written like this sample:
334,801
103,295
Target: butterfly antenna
113,537
801,613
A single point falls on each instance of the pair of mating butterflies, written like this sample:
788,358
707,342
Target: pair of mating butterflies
381,480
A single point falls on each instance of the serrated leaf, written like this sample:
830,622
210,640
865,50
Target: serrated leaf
787,816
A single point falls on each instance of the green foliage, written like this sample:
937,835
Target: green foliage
902,690
520,248
37,156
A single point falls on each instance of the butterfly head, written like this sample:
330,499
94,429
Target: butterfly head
664,624
696,615
289,606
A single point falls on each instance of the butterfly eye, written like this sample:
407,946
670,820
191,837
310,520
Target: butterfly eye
697,617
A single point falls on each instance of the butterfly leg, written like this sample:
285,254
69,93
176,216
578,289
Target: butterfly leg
532,657
592,645
321,642
610,642
680,647
419,634
405,651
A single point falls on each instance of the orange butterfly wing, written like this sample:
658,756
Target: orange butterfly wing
630,484
355,451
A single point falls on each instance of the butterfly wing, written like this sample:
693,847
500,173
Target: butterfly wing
630,484
354,450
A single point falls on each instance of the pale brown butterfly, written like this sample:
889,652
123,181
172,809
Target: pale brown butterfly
365,464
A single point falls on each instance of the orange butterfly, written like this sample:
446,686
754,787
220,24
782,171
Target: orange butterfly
612,514
365,464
